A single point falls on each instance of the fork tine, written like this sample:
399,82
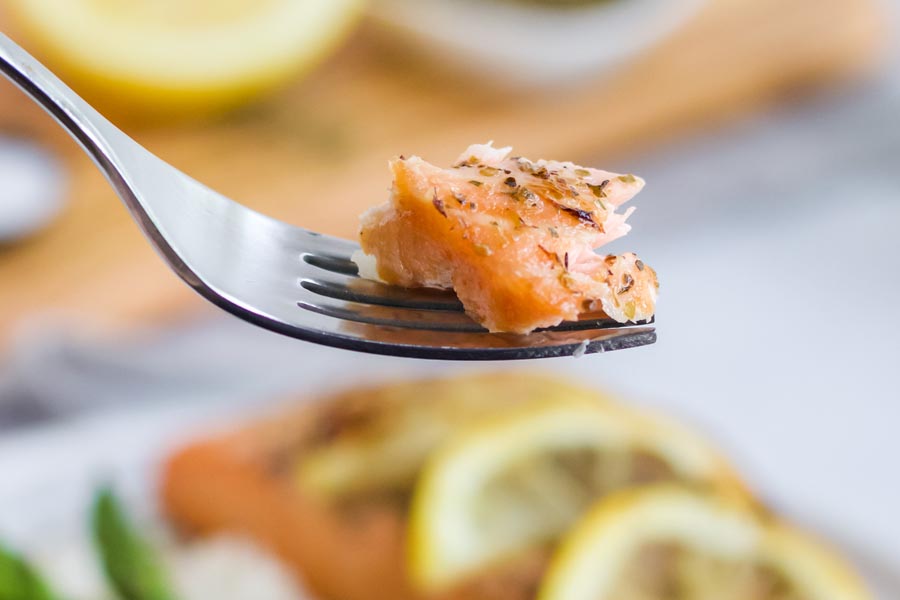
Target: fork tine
366,291
432,320
334,264
443,345
318,244
395,317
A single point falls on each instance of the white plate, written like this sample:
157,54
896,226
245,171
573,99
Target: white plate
48,477
524,44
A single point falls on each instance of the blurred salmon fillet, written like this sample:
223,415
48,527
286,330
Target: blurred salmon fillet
245,482
514,238
328,486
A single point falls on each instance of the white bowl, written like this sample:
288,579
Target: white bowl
32,190
517,43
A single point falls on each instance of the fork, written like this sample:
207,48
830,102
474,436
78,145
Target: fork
284,278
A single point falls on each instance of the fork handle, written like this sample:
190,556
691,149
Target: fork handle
96,135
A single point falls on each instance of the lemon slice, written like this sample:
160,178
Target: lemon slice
376,440
654,542
181,56
508,484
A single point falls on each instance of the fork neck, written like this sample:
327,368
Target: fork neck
90,129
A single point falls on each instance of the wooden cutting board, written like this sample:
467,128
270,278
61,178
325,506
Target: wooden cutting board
316,155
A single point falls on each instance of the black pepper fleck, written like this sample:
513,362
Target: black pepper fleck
439,205
582,215
551,255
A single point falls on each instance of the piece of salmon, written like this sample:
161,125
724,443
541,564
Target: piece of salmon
241,483
514,238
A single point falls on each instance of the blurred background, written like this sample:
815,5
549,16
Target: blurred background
767,130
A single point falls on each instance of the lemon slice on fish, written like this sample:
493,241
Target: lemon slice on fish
665,542
375,441
506,485
165,56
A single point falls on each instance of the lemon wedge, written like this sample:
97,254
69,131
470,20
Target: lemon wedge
508,484
642,544
175,56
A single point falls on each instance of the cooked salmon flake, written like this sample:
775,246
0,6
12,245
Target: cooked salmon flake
514,238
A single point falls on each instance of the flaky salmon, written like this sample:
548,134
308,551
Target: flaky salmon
514,238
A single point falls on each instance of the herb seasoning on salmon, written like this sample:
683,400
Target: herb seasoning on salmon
514,238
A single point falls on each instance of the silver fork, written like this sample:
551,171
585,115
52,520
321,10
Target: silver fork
284,278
